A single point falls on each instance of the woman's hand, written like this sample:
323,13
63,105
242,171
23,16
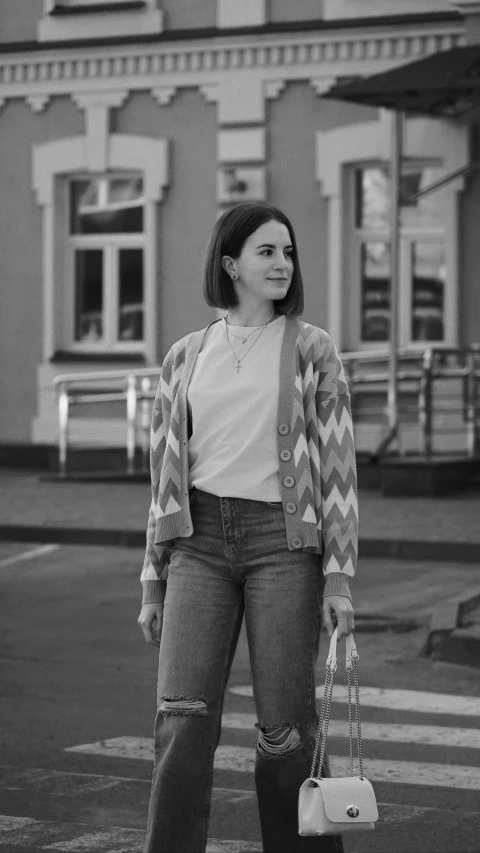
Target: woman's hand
343,609
150,621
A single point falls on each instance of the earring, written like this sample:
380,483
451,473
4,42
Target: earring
234,275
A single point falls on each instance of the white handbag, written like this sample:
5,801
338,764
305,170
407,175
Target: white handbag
331,806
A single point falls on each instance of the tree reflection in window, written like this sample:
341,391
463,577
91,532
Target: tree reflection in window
107,206
375,291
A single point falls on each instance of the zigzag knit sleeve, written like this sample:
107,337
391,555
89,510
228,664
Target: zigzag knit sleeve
157,556
338,476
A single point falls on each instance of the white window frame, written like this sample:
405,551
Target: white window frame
74,4
408,237
89,24
111,244
57,160
366,142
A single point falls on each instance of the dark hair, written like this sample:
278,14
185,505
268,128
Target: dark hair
230,232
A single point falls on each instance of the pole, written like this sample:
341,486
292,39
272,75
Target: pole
395,171
131,421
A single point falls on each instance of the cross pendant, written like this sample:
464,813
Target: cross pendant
238,366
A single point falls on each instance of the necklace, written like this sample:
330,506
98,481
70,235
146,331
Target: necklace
251,333
240,337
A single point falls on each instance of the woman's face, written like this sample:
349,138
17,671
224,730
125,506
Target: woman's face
265,265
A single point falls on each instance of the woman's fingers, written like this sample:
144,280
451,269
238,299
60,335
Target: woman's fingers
150,621
343,609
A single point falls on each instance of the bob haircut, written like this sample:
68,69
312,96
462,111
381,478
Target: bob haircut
229,234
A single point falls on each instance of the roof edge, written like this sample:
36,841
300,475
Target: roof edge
288,27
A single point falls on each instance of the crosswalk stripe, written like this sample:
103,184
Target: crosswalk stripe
242,760
28,555
23,833
394,732
398,700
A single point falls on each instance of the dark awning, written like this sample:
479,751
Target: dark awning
445,84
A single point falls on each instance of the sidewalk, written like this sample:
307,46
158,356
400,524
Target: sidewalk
440,539
446,528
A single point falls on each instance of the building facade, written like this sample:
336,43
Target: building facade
128,126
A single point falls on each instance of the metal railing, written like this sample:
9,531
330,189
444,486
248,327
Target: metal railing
367,375
134,388
418,373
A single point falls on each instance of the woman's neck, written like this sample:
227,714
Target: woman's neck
251,317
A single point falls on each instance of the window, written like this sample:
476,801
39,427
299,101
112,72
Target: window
67,20
65,7
423,272
106,247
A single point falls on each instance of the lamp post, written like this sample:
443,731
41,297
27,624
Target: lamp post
395,175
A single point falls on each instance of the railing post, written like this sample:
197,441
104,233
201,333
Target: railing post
145,419
63,404
425,403
471,407
131,421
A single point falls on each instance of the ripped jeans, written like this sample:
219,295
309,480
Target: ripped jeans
237,561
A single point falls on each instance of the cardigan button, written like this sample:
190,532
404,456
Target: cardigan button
288,481
296,542
285,455
291,508
283,429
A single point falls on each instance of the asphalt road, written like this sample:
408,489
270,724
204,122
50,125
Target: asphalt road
78,700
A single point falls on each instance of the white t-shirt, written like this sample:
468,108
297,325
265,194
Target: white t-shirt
233,449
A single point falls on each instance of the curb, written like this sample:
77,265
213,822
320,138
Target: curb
452,637
73,535
418,549
401,549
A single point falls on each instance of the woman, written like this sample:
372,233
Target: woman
254,510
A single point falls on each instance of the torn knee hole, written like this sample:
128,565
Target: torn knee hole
194,707
275,740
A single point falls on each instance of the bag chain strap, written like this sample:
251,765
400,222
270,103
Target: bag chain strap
324,716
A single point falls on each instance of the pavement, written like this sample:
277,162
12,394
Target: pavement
439,538
78,701
78,694
36,508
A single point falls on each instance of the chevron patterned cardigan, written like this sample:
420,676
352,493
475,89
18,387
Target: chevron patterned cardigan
315,447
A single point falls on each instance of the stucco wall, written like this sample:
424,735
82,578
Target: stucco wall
300,10
188,211
21,257
187,14
18,19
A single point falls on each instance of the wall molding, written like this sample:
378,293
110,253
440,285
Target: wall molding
247,13
37,102
287,57
424,138
61,158
164,95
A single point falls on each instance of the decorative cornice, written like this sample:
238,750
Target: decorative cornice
320,85
87,100
273,88
210,92
161,67
164,94
37,103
